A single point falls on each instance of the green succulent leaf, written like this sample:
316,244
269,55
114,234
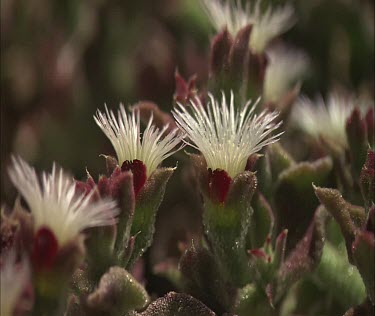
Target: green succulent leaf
177,304
117,293
295,201
226,225
147,204
203,279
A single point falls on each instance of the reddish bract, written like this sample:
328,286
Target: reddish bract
45,248
219,183
139,173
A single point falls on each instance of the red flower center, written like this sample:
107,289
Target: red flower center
139,173
218,183
45,247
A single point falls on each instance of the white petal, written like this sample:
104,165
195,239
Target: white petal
125,136
55,204
226,137
267,24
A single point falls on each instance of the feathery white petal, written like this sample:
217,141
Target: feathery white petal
320,119
54,203
125,136
267,24
226,137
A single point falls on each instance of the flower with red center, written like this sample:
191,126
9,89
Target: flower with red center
59,213
141,155
225,136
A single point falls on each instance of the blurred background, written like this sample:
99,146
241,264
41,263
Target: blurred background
61,60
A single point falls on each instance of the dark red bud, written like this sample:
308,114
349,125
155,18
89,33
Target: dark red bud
45,247
219,183
182,89
356,128
220,48
139,173
240,53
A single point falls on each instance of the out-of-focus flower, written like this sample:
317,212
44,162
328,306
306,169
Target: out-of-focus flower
224,136
267,23
325,120
14,281
125,136
59,213
285,68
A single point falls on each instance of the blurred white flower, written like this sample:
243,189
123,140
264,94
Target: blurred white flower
55,205
226,137
125,136
14,279
267,23
285,68
327,120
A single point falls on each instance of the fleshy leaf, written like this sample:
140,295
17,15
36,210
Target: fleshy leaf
262,222
226,225
364,258
339,277
303,259
117,293
177,304
295,199
147,204
127,204
203,280
348,216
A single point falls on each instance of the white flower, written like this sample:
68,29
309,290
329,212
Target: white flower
14,279
226,137
284,69
267,24
327,120
125,136
55,204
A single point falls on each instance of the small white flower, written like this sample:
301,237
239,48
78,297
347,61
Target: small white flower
284,69
14,279
267,24
54,203
125,136
226,137
327,120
